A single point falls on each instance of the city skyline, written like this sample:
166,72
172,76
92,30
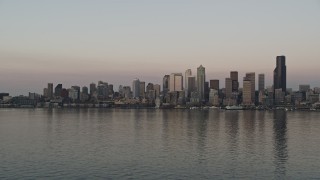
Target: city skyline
118,41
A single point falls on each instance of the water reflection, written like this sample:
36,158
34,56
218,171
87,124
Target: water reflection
280,143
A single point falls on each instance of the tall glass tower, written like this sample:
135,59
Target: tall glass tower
280,74
201,78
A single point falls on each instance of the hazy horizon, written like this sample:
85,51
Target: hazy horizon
79,42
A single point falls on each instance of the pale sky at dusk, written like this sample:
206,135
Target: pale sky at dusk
77,42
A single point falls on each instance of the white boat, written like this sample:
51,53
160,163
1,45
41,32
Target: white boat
234,108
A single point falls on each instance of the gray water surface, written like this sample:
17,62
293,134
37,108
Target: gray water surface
158,144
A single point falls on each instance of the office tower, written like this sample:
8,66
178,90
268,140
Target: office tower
110,90
234,79
102,90
304,87
84,95
64,93
214,84
261,82
201,78
176,82
45,92
136,88
280,74
85,90
93,88
188,73
191,85
252,78
142,89
246,92
58,90
228,88
157,89
206,91
77,88
150,86
127,91
165,84
50,90
73,93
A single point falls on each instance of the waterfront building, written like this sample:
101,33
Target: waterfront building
165,84
261,82
176,82
201,79
251,76
58,90
157,90
142,89
136,88
50,90
214,84
235,82
280,74
228,88
93,89
247,92
187,74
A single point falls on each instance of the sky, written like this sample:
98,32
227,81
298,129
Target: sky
77,42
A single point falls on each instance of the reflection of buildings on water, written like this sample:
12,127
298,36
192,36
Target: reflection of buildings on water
280,143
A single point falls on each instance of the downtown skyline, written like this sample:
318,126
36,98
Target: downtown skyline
79,42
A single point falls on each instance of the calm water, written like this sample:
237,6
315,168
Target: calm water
158,144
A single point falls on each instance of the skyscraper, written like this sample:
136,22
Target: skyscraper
261,82
214,84
247,94
166,83
136,88
187,74
234,79
191,85
50,90
201,78
280,74
58,90
93,88
142,89
176,82
228,88
252,78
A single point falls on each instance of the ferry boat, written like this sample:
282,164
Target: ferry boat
234,108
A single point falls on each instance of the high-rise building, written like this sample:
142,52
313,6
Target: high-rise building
93,88
228,87
85,90
206,91
214,84
77,89
50,90
304,87
142,89
136,88
246,92
157,89
166,84
261,82
187,74
150,86
234,79
58,90
252,78
191,86
201,79
280,74
176,82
